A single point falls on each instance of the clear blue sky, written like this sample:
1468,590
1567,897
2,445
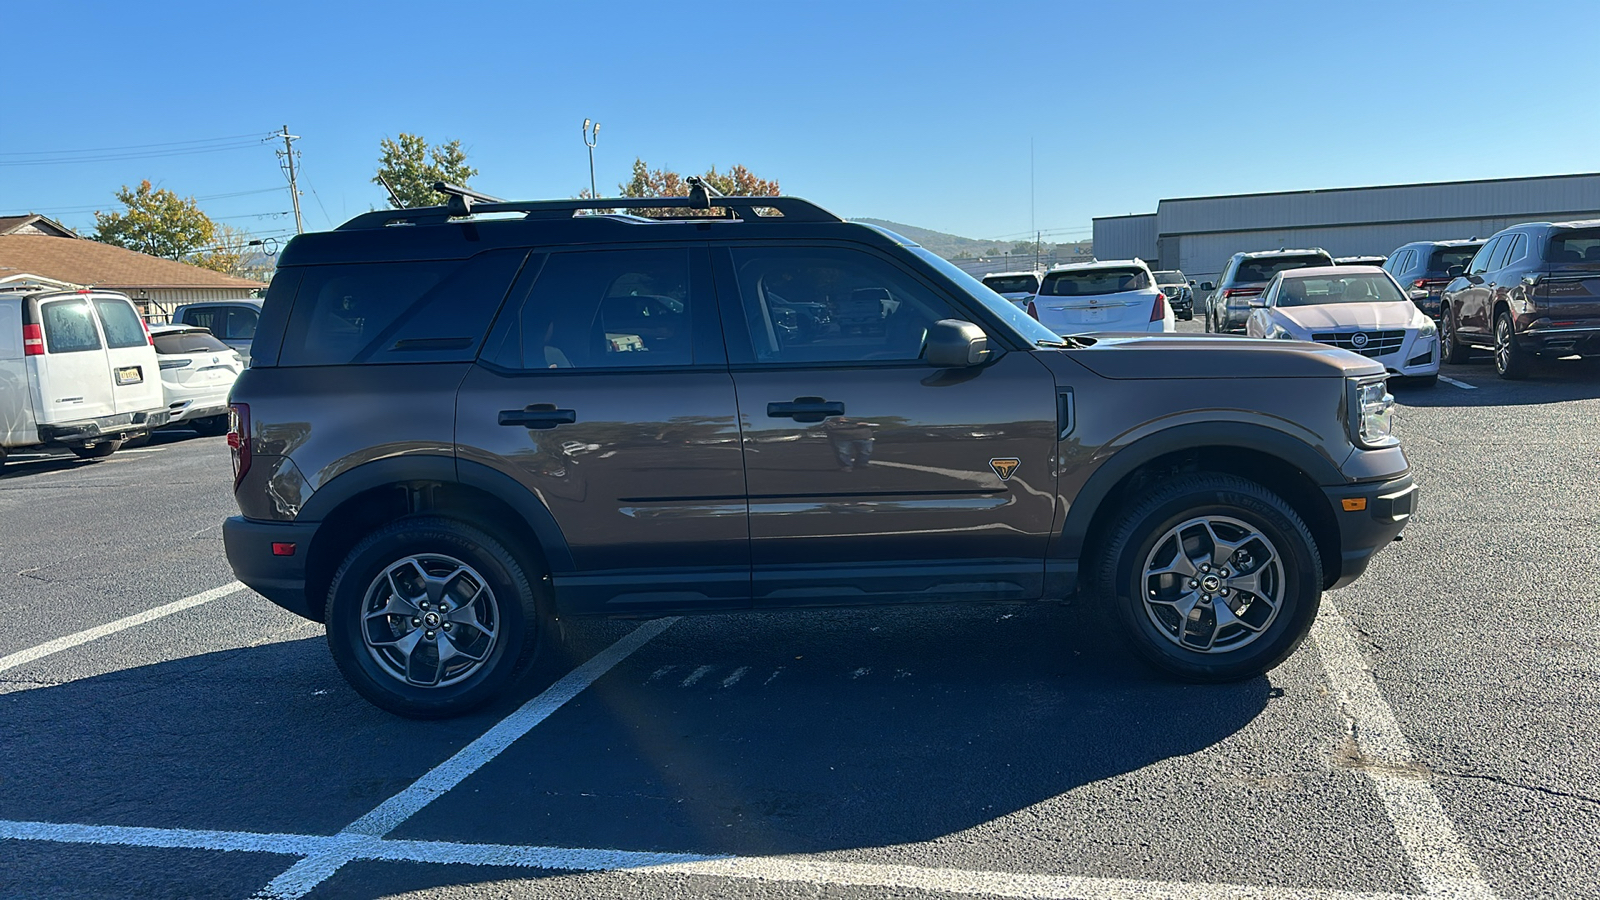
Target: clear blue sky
917,112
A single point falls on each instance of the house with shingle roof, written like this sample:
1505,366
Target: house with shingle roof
38,250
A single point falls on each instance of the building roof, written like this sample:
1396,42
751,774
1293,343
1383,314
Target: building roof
103,265
33,223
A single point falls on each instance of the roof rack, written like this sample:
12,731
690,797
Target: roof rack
463,202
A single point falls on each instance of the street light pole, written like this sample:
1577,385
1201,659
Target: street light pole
591,136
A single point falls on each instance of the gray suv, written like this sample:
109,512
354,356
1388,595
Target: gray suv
1238,289
458,430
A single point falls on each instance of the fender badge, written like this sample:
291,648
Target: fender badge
1004,467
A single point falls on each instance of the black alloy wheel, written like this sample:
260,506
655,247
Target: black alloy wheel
1510,360
1454,352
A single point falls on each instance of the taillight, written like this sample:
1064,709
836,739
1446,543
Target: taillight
147,335
1159,310
32,340
1420,283
1230,293
239,439
1032,311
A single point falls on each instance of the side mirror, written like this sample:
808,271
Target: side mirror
1455,271
954,344
1191,282
1258,303
1207,285
1418,294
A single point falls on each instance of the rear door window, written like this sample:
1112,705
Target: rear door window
1480,262
68,326
1091,282
1502,252
122,324
407,312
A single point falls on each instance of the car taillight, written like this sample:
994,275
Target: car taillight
1240,292
1159,310
239,439
147,335
32,340
1033,311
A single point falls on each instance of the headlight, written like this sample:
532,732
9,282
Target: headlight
1427,329
1372,412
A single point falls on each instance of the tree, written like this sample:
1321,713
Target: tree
736,182
159,223
232,254
411,167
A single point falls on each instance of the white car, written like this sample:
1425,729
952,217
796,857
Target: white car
1018,287
1102,296
197,372
1358,308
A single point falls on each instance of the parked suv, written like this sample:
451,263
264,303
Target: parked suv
1179,291
1532,290
1245,276
1018,287
231,321
1111,295
1423,269
460,430
77,371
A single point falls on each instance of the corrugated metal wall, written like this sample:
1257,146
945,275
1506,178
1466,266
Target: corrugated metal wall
1126,237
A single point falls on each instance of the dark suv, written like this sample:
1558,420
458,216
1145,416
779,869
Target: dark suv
457,429
1243,279
1531,290
1423,269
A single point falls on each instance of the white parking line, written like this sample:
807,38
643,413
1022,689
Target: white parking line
1424,829
306,874
1460,384
325,854
23,657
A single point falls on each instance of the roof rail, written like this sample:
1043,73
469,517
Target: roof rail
463,202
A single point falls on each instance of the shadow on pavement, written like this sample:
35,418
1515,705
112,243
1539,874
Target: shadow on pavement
1550,381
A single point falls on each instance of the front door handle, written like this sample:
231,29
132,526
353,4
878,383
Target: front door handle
538,415
805,409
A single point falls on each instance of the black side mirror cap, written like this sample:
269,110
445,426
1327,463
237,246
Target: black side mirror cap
955,344
1455,271
1207,286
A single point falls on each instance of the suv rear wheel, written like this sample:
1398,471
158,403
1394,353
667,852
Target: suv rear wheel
1213,578
430,618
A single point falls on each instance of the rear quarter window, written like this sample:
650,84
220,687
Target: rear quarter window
425,311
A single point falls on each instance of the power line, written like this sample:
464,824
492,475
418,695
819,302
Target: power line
117,157
232,137
97,207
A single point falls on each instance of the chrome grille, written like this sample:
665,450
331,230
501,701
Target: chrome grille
1378,343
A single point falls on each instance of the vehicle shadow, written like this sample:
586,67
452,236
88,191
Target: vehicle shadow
25,462
1549,381
844,730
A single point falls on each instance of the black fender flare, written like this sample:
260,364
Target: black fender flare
1178,438
445,470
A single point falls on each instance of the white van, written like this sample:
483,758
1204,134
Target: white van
77,370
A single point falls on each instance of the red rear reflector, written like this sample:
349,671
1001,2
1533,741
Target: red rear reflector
282,548
1159,310
32,340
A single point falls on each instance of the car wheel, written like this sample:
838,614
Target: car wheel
1510,360
210,426
1213,578
138,440
97,451
430,618
1450,344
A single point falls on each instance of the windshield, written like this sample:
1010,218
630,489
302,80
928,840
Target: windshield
1170,278
1577,245
1344,289
1445,257
999,307
1252,271
1092,282
1012,284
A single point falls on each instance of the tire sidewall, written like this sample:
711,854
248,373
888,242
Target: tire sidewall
499,568
1302,576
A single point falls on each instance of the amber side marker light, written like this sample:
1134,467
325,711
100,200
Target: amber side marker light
1355,504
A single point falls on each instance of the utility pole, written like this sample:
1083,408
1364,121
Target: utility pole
1037,237
591,136
287,155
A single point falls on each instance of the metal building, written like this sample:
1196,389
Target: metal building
1198,234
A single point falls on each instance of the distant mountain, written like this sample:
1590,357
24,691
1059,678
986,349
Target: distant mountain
954,246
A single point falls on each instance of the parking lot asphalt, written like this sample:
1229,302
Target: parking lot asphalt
167,734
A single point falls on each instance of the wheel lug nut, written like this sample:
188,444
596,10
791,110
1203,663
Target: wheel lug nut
415,621
1224,592
1194,583
429,635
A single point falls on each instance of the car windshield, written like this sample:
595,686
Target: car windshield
1575,245
1091,282
1338,289
189,342
999,307
1012,284
1443,258
1254,271
1170,278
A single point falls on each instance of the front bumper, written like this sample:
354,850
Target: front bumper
1384,509
281,579
102,428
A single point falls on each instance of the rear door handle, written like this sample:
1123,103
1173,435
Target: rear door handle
538,415
805,409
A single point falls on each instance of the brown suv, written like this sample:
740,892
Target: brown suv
457,429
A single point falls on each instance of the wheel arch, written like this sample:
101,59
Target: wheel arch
1283,464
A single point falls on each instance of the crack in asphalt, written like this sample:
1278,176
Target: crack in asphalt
1511,783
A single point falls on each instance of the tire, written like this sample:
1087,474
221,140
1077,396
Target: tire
1202,510
1454,352
488,587
1510,360
138,440
100,450
1424,381
210,426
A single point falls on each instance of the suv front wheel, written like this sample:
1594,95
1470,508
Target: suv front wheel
430,618
1214,578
